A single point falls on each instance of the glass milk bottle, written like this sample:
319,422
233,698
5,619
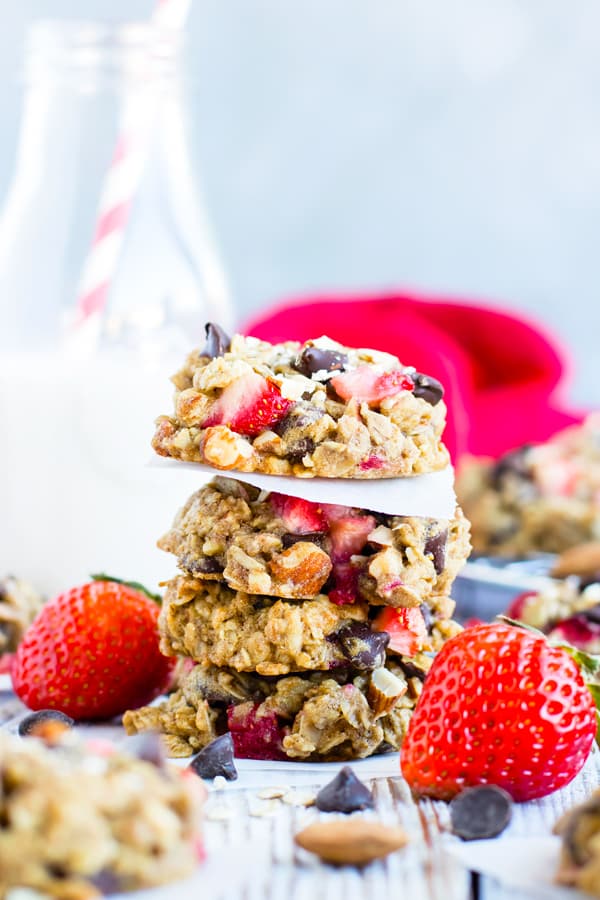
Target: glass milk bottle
108,272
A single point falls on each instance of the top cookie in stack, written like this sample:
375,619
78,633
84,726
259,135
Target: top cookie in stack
313,409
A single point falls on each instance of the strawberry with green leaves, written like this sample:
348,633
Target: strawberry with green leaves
501,706
93,652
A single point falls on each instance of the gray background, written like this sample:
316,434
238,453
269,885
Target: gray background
441,144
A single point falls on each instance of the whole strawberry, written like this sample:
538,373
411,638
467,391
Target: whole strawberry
499,706
92,653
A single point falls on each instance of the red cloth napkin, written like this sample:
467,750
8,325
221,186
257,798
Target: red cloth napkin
504,376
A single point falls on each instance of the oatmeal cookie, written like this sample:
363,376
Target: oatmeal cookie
566,610
313,409
317,716
212,624
289,547
19,605
542,498
579,829
77,823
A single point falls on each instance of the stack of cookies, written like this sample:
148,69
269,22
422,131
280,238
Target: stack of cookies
308,624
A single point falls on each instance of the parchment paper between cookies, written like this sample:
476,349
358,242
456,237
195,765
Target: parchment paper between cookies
428,496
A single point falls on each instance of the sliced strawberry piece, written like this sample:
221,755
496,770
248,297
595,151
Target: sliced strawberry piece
256,733
367,385
349,535
406,628
333,512
299,516
249,405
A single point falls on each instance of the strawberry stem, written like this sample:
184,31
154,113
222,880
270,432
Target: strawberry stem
136,585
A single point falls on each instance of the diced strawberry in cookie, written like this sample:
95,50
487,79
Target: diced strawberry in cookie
406,628
255,735
249,405
345,577
349,535
299,516
367,385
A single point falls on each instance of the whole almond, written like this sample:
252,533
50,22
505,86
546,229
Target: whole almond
354,842
584,559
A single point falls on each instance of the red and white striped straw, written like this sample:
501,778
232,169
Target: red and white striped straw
118,191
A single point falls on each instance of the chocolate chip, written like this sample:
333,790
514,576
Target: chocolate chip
411,670
427,616
148,747
106,882
363,648
314,359
345,794
315,537
435,545
302,415
427,388
206,565
512,463
33,724
298,450
593,613
216,759
217,342
380,518
480,812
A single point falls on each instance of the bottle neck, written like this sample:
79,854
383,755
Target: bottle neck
103,141
89,58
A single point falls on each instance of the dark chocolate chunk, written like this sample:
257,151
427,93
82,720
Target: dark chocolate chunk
313,360
363,648
512,463
221,692
106,882
592,614
480,812
427,616
385,747
345,794
436,546
206,565
300,416
298,450
315,537
216,759
411,670
33,724
147,746
427,388
217,342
